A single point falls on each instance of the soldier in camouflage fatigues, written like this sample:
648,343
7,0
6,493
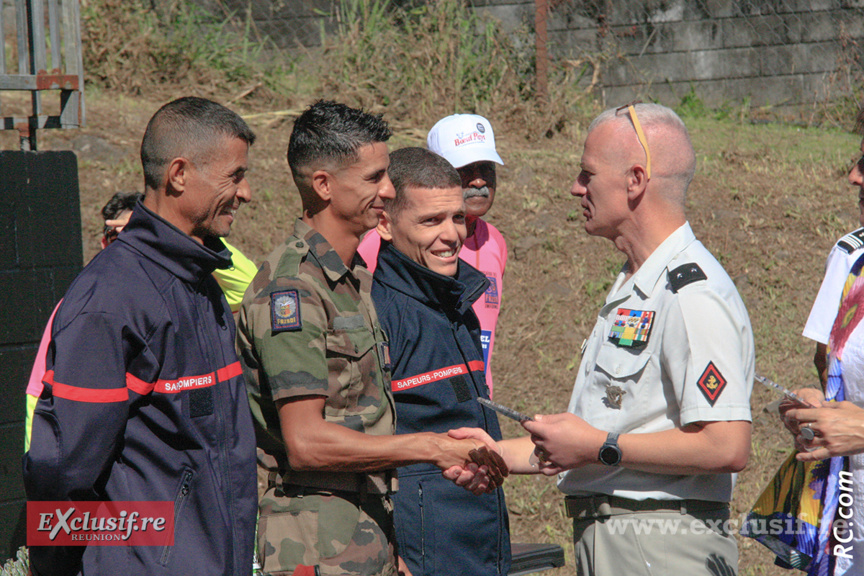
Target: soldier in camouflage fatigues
341,354
317,367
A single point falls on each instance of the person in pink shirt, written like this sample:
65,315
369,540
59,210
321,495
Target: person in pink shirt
468,143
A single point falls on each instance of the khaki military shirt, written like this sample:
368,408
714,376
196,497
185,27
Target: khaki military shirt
307,327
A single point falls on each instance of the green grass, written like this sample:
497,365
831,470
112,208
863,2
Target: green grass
416,61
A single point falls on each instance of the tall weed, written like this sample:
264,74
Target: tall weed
416,61
421,62
843,89
129,46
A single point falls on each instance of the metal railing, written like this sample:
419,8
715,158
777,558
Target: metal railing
60,40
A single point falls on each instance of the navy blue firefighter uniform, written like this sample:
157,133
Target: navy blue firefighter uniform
144,400
437,357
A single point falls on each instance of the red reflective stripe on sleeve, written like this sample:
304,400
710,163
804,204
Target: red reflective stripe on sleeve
184,383
476,366
229,371
93,395
428,377
137,385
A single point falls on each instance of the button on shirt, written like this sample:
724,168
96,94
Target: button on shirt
699,334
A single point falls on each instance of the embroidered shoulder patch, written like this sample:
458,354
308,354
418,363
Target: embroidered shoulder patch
852,241
684,275
711,383
631,327
285,311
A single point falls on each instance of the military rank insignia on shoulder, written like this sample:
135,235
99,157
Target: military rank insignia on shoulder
285,311
684,275
631,327
852,241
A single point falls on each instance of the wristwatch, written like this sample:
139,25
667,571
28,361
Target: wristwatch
610,453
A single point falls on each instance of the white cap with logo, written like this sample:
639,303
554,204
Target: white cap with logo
463,139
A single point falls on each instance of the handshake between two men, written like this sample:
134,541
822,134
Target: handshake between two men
556,442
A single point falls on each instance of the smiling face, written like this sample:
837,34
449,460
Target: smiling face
478,186
856,178
214,190
358,189
602,185
430,228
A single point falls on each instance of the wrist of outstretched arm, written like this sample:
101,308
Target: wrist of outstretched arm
516,453
427,447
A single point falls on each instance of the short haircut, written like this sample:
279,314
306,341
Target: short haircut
654,118
417,168
649,115
191,128
119,203
328,134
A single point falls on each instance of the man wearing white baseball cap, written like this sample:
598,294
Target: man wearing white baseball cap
468,143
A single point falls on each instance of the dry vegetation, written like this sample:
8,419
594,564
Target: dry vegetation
768,201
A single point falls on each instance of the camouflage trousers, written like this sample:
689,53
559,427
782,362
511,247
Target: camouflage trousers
339,532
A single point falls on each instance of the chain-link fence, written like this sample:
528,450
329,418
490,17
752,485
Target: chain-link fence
765,52
287,23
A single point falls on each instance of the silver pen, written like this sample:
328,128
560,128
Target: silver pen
806,432
501,409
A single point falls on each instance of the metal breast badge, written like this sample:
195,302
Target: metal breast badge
614,395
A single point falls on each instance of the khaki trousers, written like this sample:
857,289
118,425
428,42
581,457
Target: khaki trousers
656,543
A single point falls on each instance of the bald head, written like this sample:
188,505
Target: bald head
673,160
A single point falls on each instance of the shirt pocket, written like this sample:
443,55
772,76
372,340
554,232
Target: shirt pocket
352,366
622,365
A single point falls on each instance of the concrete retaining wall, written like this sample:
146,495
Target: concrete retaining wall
771,51
774,52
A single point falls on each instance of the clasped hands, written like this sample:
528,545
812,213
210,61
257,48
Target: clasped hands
481,469
556,442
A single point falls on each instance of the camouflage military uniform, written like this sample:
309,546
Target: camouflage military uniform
307,326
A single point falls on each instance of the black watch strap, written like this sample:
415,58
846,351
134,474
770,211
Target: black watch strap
610,452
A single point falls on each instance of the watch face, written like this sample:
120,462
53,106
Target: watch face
610,456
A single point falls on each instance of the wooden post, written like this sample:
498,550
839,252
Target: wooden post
541,12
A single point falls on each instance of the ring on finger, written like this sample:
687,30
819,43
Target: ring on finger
807,432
